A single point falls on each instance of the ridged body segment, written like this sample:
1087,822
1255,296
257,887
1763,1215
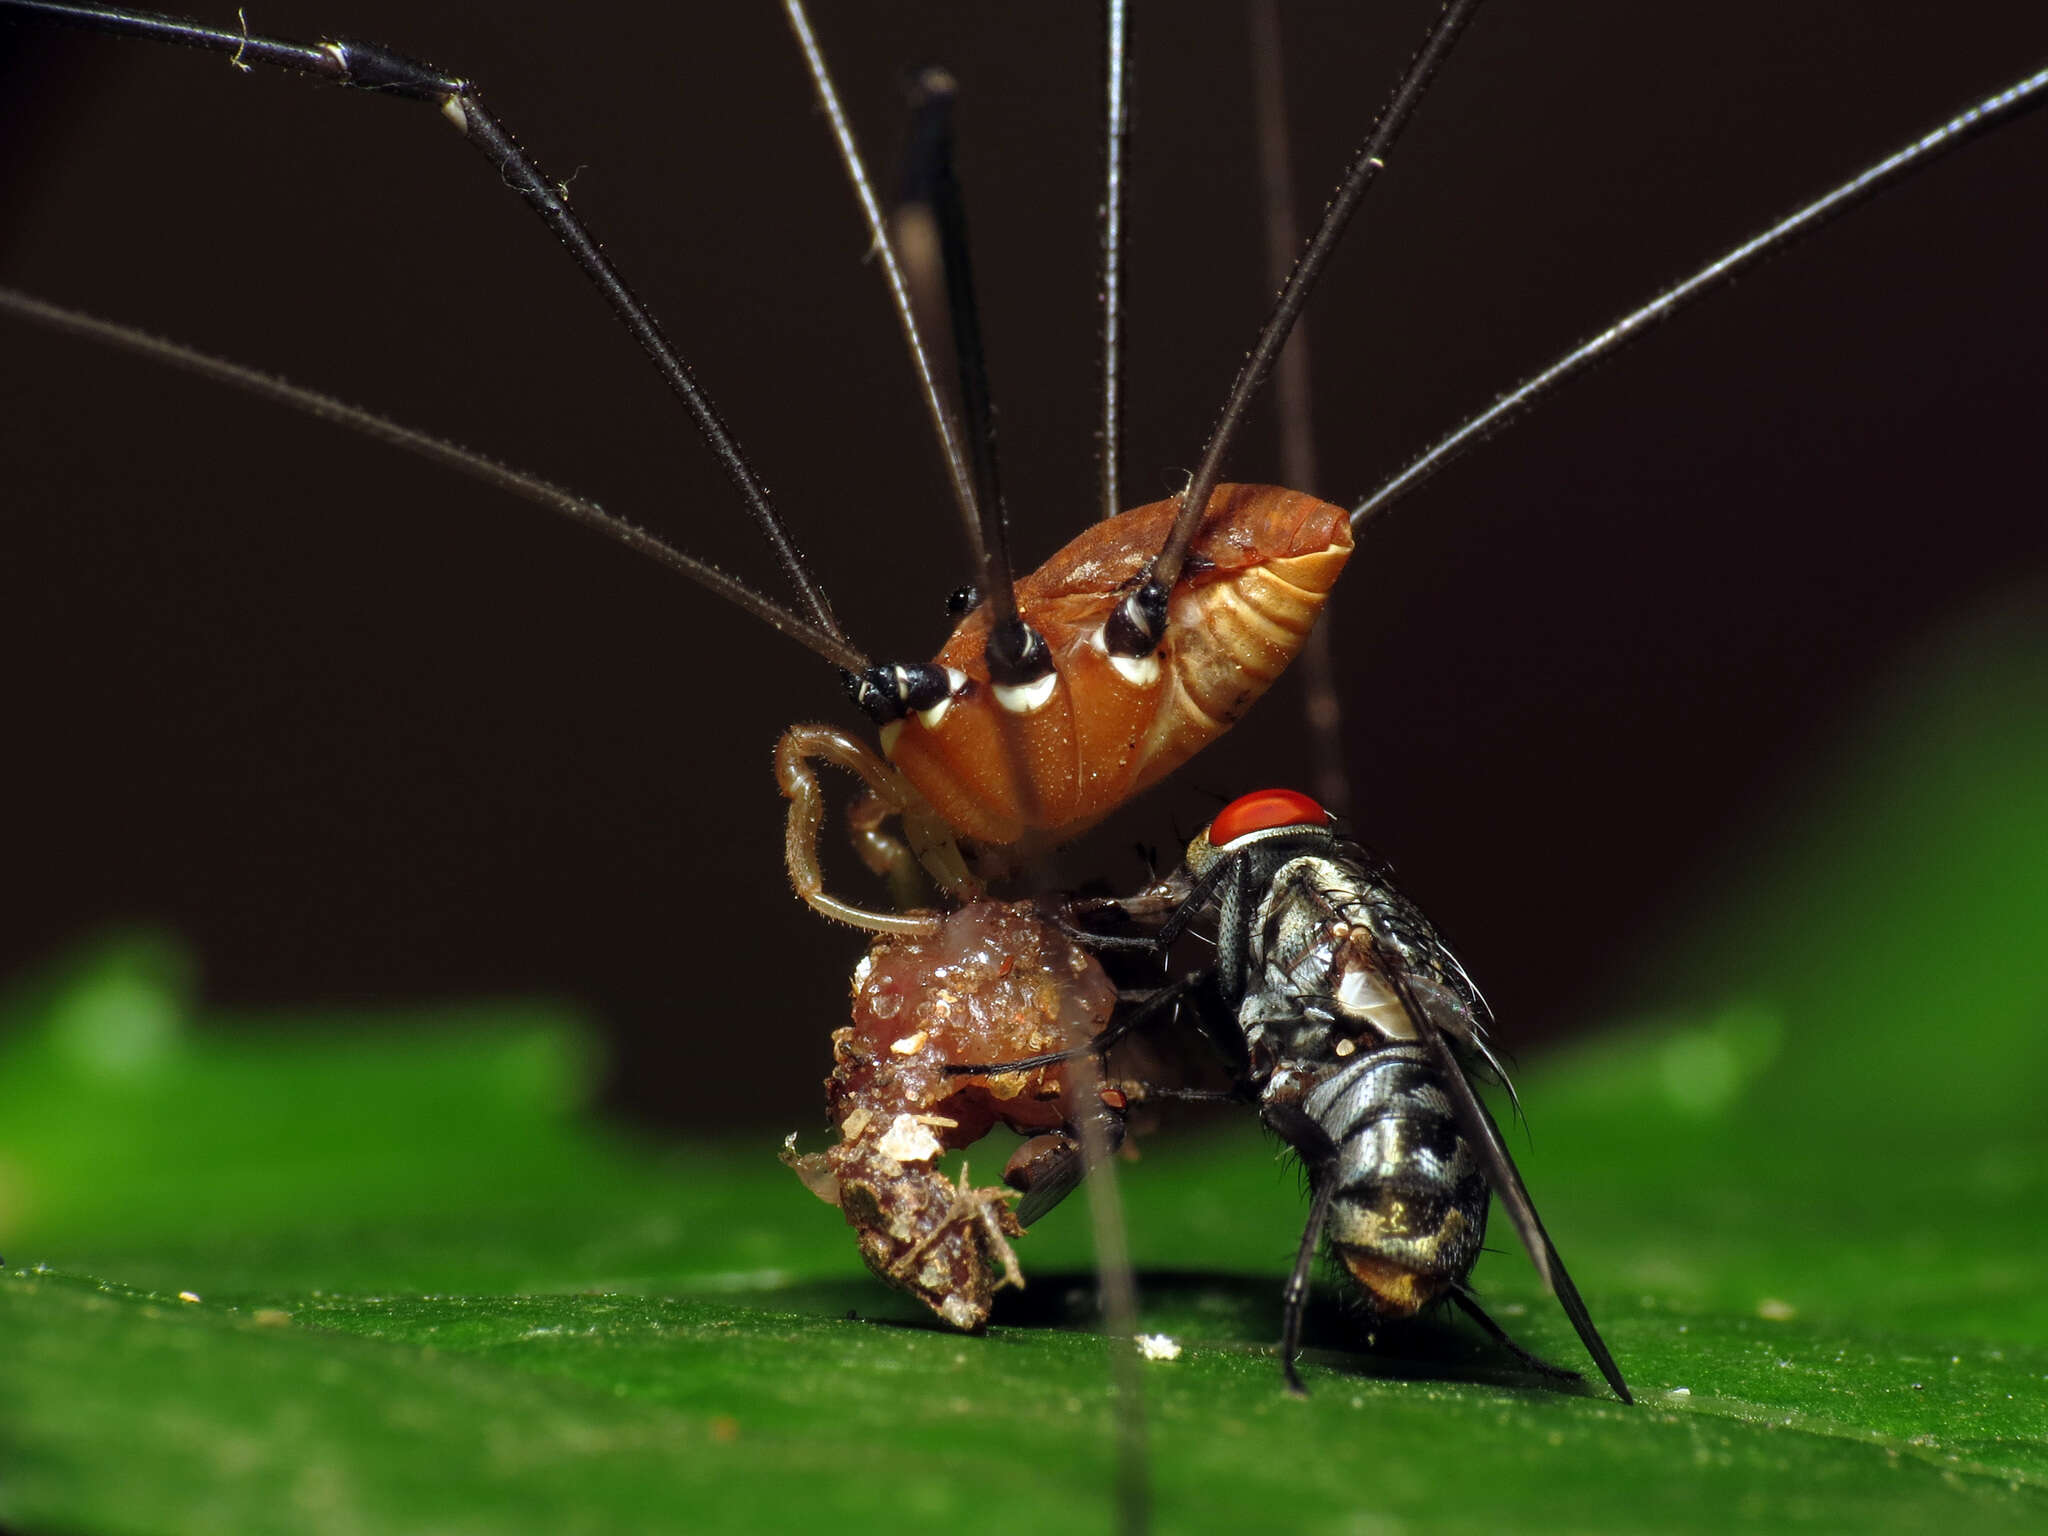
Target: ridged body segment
1258,572
1409,1214
1330,1043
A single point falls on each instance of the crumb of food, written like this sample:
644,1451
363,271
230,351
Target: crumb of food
1772,1310
1157,1346
188,1296
1679,1392
910,1045
909,1142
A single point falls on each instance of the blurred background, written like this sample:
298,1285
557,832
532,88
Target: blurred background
363,733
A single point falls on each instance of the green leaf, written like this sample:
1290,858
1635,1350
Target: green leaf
388,1274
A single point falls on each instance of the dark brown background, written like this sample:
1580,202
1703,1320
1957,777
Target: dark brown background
365,733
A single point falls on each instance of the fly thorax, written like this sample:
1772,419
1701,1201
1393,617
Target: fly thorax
1320,984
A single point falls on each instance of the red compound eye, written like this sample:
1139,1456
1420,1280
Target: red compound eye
1263,809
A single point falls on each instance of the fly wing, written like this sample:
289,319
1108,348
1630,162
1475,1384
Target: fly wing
1501,1172
1055,1174
1404,940
1461,1013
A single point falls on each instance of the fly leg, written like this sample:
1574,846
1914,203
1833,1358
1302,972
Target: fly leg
1294,1299
1048,1168
1312,1144
1469,1305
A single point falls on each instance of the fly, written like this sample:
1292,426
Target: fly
1348,1023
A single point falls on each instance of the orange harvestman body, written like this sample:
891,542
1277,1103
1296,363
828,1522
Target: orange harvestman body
1025,768
1262,563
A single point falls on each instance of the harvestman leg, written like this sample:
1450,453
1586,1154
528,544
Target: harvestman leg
371,67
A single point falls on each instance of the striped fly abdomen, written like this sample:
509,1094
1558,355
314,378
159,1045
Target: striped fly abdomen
1409,1211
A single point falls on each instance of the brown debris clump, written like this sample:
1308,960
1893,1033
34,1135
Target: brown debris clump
998,982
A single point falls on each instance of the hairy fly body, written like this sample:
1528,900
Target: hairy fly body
1350,1025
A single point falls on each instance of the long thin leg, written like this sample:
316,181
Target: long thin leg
1316,667
935,208
1162,1093
1117,1297
1138,624
2021,96
1116,27
939,275
370,67
1469,1305
1294,1300
1017,655
436,450
944,424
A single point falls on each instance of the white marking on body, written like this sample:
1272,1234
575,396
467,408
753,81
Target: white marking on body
890,734
1138,671
1027,698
